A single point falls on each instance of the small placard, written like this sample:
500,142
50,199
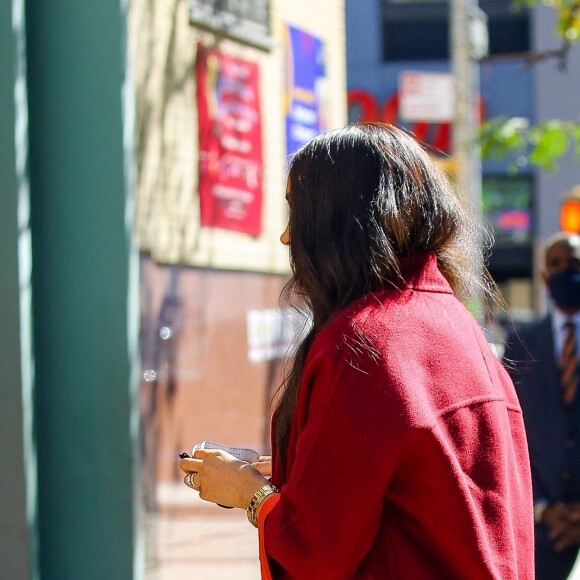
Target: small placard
426,96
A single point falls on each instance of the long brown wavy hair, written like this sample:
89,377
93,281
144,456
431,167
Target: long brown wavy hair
361,198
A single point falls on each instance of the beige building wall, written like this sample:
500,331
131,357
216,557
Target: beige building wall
162,47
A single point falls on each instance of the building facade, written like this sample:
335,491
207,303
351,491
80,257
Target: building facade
386,38
225,92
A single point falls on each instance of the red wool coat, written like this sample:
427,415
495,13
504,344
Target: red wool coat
407,456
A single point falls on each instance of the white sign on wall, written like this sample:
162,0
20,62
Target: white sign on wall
274,333
426,96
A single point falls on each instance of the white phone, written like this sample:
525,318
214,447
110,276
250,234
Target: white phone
241,453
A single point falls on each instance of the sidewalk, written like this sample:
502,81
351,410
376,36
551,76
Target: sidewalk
190,538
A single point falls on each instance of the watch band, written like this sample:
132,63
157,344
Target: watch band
257,499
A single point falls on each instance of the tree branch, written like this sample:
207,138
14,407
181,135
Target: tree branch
568,26
532,57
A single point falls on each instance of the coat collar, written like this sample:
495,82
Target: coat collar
420,272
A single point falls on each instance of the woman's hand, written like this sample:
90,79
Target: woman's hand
264,465
222,478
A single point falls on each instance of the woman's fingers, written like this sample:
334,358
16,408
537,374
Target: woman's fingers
190,465
189,480
221,478
264,466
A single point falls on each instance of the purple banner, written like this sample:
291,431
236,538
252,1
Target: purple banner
304,72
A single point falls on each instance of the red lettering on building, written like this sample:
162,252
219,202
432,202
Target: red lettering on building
435,135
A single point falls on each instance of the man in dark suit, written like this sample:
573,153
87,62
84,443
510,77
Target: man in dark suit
542,359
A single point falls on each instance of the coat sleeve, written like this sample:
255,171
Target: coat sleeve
330,508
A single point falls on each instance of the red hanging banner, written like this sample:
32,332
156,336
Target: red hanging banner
230,142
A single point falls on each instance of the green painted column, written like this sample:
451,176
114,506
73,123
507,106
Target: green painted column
17,476
85,291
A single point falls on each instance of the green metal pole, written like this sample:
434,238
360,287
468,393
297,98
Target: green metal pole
85,291
18,475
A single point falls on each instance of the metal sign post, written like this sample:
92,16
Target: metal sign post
468,42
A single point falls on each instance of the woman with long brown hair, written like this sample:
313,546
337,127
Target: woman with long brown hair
398,447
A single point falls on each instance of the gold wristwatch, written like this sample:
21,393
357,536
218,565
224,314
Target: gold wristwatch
257,500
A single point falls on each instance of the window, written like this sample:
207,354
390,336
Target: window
419,30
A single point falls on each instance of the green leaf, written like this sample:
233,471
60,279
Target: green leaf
551,143
542,145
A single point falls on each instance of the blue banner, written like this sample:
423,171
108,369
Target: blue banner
304,72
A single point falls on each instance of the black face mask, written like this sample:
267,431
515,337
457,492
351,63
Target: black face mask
565,288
